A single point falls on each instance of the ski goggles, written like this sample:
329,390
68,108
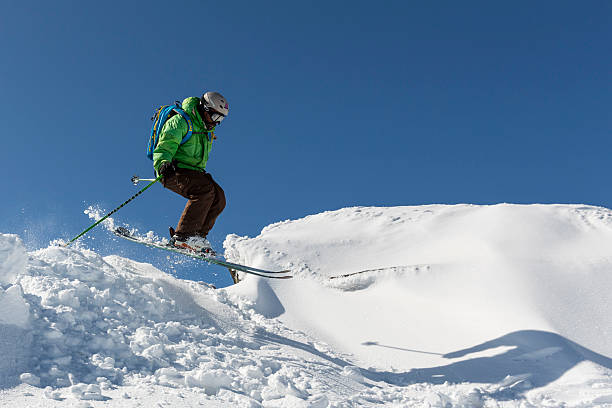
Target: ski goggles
216,117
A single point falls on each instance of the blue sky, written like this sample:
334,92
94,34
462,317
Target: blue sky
332,104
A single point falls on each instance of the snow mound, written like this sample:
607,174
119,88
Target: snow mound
512,296
439,306
101,322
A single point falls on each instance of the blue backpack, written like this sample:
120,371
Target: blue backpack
159,119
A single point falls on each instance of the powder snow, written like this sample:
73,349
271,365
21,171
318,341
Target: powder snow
426,306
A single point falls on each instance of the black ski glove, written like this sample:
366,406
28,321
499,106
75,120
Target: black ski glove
166,169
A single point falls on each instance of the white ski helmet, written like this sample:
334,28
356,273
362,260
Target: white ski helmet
216,102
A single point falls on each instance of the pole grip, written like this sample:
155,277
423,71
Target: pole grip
114,211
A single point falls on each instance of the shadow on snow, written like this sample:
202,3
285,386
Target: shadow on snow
534,359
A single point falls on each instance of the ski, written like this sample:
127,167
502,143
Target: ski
125,234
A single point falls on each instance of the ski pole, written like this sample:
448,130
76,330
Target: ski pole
114,211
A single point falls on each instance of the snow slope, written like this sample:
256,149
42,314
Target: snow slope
455,293
440,306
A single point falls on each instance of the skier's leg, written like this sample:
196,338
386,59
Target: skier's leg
200,192
216,208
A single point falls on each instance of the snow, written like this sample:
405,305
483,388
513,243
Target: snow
12,258
463,306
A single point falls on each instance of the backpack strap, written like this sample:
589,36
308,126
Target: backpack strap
185,116
159,118
210,134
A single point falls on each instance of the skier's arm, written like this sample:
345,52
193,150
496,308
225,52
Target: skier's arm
170,138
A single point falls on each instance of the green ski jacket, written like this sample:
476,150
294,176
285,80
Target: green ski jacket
193,154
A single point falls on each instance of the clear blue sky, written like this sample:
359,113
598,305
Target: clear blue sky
333,104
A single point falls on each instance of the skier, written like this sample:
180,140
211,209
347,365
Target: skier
182,167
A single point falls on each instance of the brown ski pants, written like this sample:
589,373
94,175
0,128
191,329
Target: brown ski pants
206,200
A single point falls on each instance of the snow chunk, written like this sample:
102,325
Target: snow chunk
13,307
282,384
353,373
53,394
90,392
13,258
211,381
30,378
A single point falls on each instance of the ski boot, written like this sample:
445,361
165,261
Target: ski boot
195,243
